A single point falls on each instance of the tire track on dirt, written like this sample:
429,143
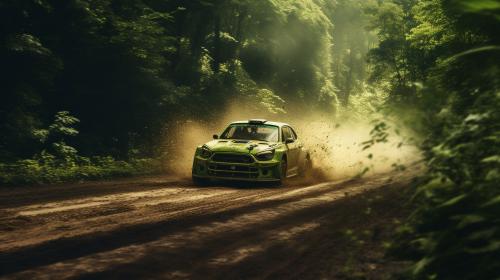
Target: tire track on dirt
19,196
119,214
98,242
289,220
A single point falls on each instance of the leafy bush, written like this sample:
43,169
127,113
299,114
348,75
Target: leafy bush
48,170
61,162
455,231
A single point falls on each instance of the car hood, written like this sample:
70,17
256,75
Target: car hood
240,146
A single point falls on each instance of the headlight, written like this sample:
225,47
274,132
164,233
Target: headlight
266,155
205,152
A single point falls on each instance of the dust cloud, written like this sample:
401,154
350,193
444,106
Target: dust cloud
337,148
335,143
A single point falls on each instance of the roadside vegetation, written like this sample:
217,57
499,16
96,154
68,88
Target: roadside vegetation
131,72
59,162
95,89
440,60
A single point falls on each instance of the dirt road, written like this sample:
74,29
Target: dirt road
161,227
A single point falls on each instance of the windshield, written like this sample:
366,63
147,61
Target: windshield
261,132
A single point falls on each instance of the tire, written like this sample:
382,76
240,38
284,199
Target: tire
197,181
306,167
283,171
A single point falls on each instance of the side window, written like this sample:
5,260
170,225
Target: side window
294,134
286,133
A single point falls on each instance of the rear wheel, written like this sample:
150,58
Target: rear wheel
306,167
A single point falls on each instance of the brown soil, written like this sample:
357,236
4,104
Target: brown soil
163,227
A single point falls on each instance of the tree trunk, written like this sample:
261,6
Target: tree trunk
216,44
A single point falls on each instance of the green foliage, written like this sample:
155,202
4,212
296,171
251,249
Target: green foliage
46,169
454,232
457,224
54,136
61,162
396,64
270,101
129,69
63,123
351,43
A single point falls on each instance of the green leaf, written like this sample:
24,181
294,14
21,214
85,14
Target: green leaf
27,43
454,201
469,220
421,265
492,175
492,202
473,51
479,5
495,159
492,246
482,234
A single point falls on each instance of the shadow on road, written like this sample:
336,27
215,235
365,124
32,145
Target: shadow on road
234,236
74,247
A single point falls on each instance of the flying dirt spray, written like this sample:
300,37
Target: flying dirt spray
338,146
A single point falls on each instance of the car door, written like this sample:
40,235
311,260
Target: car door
301,154
293,150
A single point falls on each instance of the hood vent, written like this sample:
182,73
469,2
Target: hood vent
240,141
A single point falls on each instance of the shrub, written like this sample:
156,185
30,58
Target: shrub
46,169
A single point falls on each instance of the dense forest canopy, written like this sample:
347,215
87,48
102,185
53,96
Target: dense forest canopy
83,80
125,69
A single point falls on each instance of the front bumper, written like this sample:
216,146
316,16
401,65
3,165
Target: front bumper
255,171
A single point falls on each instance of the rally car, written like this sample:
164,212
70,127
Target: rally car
253,150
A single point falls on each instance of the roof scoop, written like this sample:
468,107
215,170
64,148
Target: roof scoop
257,121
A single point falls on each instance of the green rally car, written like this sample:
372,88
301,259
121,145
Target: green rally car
253,150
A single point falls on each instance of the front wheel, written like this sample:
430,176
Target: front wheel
283,171
197,181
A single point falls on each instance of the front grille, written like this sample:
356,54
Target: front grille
235,168
232,158
233,171
232,174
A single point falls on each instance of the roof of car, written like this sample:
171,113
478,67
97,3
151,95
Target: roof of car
264,122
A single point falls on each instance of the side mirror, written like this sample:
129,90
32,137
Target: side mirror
289,140
215,136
